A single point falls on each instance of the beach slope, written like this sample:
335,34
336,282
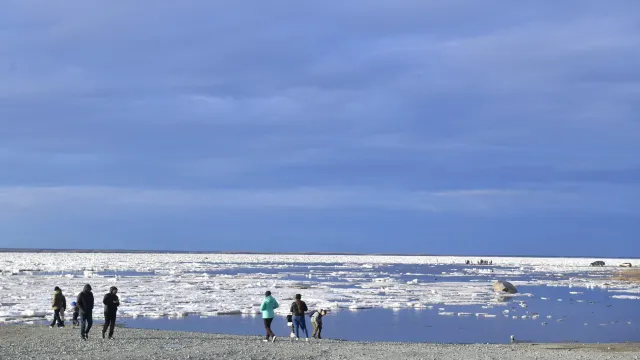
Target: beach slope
41,342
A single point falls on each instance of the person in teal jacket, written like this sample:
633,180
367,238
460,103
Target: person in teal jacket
268,305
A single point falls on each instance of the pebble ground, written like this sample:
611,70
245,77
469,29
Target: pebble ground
40,342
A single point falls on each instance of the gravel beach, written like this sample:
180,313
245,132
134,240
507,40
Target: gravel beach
41,342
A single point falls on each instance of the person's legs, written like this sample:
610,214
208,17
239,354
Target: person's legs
112,325
83,325
303,326
56,318
60,319
296,322
107,321
315,328
319,331
89,317
267,327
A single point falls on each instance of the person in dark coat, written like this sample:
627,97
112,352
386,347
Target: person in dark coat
85,305
111,303
298,309
58,304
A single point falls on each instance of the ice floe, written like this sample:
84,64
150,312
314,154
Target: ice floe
628,297
178,285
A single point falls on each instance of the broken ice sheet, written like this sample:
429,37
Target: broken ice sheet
177,285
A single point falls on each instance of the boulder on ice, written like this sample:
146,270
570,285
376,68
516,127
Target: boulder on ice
504,287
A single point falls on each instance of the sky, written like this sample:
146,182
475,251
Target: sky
412,126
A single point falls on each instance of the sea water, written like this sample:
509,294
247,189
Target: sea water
381,298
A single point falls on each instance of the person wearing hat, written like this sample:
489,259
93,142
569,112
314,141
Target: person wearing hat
268,305
298,309
76,313
111,303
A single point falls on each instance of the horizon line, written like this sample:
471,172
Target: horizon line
246,252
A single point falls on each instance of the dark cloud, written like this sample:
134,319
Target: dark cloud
422,94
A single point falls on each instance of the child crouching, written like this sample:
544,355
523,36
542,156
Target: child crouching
316,321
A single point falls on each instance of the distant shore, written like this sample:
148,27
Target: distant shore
41,342
246,252
631,275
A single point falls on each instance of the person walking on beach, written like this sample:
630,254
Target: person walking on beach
111,303
268,305
316,321
298,309
85,305
58,304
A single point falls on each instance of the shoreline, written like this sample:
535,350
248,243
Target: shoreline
328,253
41,342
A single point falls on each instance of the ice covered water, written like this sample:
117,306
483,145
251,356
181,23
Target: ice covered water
606,324
206,285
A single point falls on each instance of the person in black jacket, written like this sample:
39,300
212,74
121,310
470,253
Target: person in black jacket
111,303
298,309
85,305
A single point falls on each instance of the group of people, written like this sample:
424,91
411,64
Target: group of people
295,320
83,309
83,314
480,262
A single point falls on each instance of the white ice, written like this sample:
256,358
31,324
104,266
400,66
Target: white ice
178,285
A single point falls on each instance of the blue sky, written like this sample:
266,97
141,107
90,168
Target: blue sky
448,127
